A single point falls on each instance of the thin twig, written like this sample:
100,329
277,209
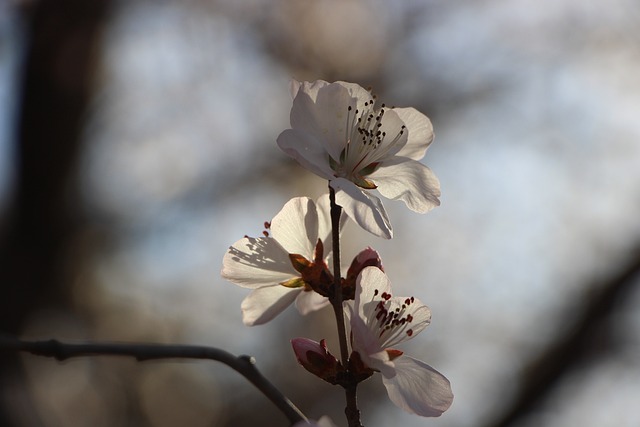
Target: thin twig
336,211
352,412
244,365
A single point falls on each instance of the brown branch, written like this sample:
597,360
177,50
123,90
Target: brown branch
244,365
351,411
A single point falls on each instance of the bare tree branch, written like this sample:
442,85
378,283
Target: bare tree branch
244,365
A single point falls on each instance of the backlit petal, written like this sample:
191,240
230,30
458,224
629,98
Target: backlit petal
263,304
307,150
310,88
370,285
306,302
296,227
420,133
418,388
324,115
254,262
324,222
365,209
410,181
366,343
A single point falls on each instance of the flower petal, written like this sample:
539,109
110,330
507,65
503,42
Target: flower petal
366,210
324,116
321,109
410,181
394,140
296,227
371,283
310,88
263,304
418,388
255,262
309,301
414,316
420,133
323,206
366,343
307,150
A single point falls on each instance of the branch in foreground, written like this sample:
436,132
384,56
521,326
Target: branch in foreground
244,365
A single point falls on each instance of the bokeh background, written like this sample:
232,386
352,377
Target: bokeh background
137,142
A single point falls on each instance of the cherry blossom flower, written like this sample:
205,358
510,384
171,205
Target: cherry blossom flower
379,322
339,133
285,265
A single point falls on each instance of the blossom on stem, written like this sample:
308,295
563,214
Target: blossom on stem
338,133
286,265
378,323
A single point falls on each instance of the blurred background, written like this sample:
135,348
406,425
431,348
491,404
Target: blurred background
137,142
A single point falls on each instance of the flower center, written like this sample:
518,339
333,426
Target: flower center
393,319
366,144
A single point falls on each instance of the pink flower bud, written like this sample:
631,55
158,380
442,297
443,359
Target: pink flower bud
315,358
366,258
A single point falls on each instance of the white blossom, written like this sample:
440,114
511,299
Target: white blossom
339,133
379,322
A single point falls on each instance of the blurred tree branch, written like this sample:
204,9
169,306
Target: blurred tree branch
244,365
577,345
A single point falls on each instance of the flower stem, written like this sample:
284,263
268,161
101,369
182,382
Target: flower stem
351,411
336,301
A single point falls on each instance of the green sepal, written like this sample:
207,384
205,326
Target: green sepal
296,282
364,183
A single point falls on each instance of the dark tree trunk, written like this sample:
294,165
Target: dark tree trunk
55,90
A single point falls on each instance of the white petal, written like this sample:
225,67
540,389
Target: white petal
296,227
294,86
357,92
324,117
420,133
370,284
324,221
309,301
366,343
418,388
392,143
307,150
421,318
322,110
323,206
310,88
263,304
366,210
410,181
255,262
